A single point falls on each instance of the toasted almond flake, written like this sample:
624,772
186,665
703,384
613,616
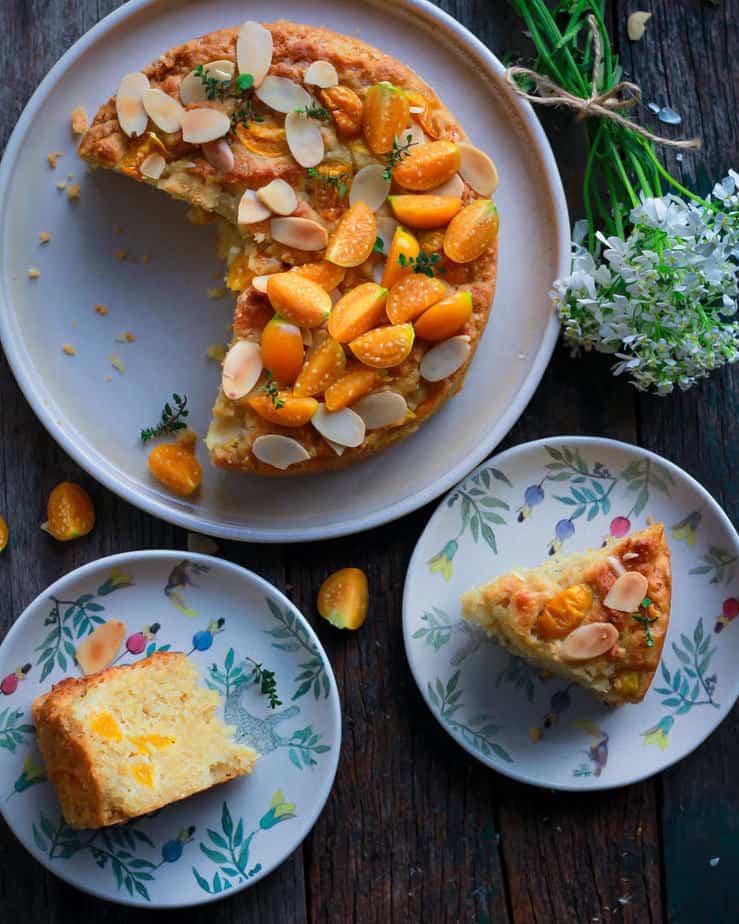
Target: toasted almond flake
202,545
344,427
260,283
241,369
589,641
300,233
201,125
616,565
382,409
219,155
192,90
53,159
477,169
304,139
120,254
217,292
117,363
44,237
321,74
61,184
444,360
385,230
627,593
79,120
69,349
163,110
101,310
416,110
415,133
636,24
339,450
222,69
153,166
33,272
279,451
126,337
129,104
278,196
370,186
254,51
251,210
216,352
146,258
307,337
73,192
282,94
452,187
628,556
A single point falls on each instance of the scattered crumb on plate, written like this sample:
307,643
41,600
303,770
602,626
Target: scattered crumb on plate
120,254
44,237
73,191
69,349
80,122
117,363
126,337
216,352
219,292
53,159
33,272
62,184
101,310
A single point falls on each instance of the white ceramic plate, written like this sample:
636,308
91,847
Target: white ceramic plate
222,840
163,302
571,493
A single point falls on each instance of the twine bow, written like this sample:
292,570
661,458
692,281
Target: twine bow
621,97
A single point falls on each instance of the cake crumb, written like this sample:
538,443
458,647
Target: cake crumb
188,439
53,159
62,184
44,237
219,292
117,363
101,310
69,349
80,122
120,254
73,191
33,272
146,258
108,378
126,337
118,229
216,352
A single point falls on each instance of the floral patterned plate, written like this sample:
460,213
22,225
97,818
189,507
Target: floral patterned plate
227,620
568,494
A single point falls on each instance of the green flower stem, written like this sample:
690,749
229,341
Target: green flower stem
671,179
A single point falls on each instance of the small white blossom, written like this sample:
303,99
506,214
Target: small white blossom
661,299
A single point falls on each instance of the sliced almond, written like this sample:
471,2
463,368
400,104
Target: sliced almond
241,369
344,427
251,210
192,90
627,593
444,360
339,450
163,110
153,166
452,187
222,69
636,24
278,196
385,231
260,283
477,169
283,94
279,451
383,409
304,139
129,104
370,186
99,649
416,110
321,74
219,155
202,125
416,133
300,233
590,641
616,565
254,51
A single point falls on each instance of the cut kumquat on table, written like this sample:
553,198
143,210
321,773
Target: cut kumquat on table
358,311
446,318
412,295
298,299
176,467
322,369
283,351
4,535
284,409
70,512
326,274
344,597
471,231
427,166
353,239
385,116
425,211
350,388
384,347
402,244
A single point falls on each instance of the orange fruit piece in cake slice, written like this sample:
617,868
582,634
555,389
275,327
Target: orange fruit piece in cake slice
597,618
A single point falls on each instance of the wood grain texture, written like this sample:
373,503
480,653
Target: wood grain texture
416,830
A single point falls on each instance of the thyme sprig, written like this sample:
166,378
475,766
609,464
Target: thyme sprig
427,263
314,111
271,388
214,88
172,419
397,153
267,682
646,620
338,182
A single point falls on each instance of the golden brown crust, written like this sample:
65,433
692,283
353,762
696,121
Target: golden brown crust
510,608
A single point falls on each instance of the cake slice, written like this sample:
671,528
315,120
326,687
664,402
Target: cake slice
132,739
597,618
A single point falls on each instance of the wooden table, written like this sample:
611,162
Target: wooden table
416,830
